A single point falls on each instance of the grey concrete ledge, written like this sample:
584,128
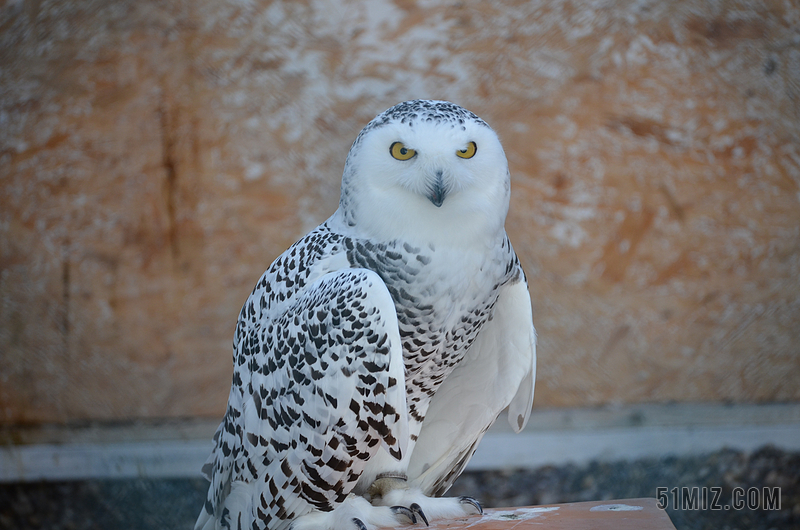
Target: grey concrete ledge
174,449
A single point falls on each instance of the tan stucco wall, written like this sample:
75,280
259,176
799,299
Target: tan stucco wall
156,156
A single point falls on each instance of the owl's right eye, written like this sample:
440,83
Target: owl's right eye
401,152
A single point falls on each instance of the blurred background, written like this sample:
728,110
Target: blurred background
155,157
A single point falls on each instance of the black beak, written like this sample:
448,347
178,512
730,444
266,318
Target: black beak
436,192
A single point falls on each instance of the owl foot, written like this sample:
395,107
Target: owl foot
396,493
356,513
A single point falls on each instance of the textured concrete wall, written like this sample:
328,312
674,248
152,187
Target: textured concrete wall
156,156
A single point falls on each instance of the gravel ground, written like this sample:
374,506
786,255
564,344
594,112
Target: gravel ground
174,504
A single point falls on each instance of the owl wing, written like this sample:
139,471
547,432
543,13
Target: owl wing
498,371
326,390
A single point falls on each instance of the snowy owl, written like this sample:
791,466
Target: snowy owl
373,354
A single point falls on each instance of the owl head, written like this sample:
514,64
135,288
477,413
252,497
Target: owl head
426,171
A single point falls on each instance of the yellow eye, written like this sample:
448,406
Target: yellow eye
401,152
468,152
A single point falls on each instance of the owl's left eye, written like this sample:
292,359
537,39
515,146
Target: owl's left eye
469,151
401,152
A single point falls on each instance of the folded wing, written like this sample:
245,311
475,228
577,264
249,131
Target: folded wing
498,371
326,391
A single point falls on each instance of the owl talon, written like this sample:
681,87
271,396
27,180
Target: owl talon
411,512
405,511
473,502
417,509
359,523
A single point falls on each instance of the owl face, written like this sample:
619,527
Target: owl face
426,166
